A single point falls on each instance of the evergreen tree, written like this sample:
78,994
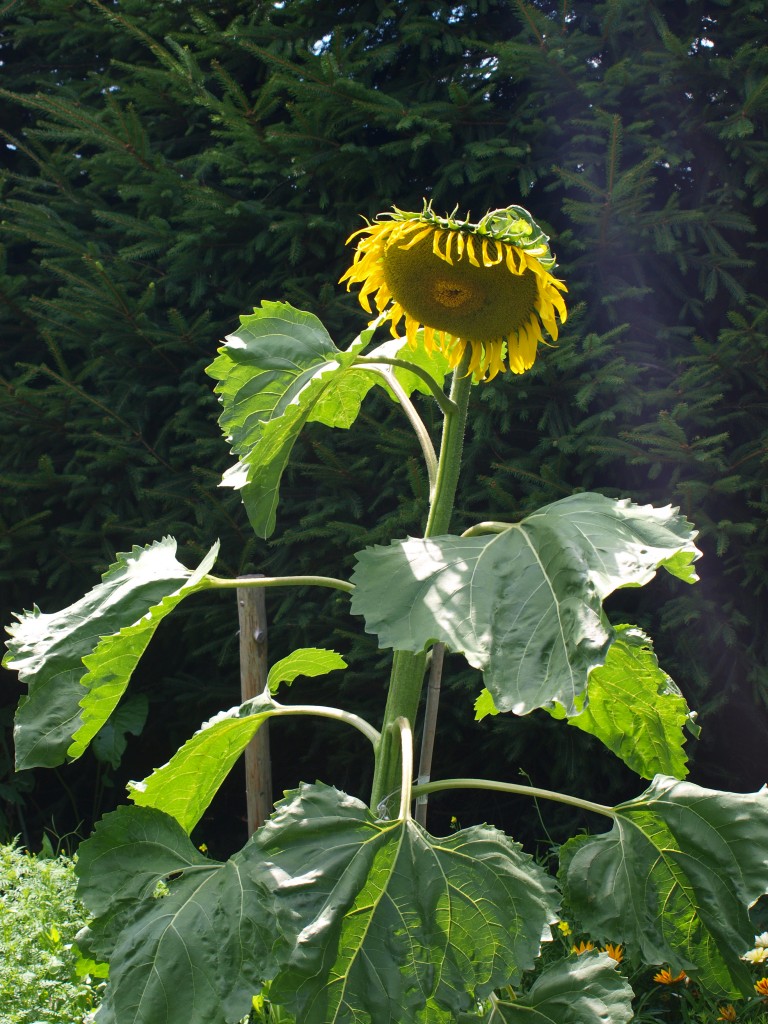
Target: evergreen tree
169,165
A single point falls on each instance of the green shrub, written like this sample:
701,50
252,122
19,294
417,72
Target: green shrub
43,978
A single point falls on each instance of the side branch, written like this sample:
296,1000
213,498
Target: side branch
447,407
516,790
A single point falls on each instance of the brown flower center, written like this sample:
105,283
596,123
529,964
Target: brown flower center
475,303
451,294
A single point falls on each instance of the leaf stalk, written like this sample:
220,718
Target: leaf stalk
337,714
447,406
515,790
427,448
217,583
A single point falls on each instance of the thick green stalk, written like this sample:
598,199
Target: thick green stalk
407,678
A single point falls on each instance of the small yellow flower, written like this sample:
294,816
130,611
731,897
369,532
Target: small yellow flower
564,928
583,947
615,952
483,287
727,1012
203,848
664,977
761,987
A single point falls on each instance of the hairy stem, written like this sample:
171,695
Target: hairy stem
407,676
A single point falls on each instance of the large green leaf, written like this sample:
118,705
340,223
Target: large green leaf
397,925
366,920
674,879
524,605
188,938
635,709
185,786
77,662
279,371
585,989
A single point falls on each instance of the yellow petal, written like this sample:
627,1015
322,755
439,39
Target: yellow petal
487,261
471,252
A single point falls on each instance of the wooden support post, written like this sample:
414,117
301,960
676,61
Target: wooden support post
251,608
430,726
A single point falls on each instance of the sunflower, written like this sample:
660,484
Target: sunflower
485,287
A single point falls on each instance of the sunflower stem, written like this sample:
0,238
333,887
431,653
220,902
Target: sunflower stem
407,678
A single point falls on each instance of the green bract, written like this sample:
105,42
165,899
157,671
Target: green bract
344,911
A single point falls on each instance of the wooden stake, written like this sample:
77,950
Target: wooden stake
251,608
430,725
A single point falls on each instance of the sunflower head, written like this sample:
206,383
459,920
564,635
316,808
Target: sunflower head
484,287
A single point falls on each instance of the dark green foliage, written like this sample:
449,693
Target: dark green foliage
175,164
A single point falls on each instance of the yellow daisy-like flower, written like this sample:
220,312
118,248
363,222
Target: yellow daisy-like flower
485,287
665,977
761,987
615,952
727,1012
583,947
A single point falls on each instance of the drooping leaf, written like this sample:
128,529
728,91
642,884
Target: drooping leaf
361,919
635,709
395,924
279,371
188,938
185,786
307,661
584,989
525,605
128,719
78,661
674,879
